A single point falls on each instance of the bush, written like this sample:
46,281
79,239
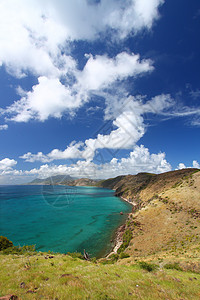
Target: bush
123,255
127,236
147,266
114,257
173,266
19,250
5,243
110,260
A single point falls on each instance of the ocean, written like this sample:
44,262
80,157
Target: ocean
61,218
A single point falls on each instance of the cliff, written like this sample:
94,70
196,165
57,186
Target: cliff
166,211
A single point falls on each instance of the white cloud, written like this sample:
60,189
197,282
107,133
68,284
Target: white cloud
71,152
195,164
6,165
123,133
35,39
50,98
29,42
181,166
139,14
139,160
85,20
101,71
4,127
129,121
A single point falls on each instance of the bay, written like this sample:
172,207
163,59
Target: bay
61,218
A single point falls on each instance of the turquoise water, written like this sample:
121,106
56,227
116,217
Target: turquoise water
61,218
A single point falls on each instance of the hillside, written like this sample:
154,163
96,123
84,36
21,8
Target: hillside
46,276
166,211
83,182
158,257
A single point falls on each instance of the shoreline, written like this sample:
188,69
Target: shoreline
118,239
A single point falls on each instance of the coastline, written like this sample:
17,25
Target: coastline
118,239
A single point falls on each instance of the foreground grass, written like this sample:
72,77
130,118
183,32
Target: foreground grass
41,276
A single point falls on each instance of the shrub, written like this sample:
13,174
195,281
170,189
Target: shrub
110,260
127,236
5,243
147,266
19,250
114,257
173,266
123,255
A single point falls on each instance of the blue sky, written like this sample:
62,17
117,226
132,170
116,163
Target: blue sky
98,88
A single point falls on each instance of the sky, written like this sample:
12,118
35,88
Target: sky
98,88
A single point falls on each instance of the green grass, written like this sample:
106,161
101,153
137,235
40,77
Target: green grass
127,236
65,277
147,266
173,266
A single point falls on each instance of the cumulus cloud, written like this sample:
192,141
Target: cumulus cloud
139,160
181,166
6,165
101,71
4,127
195,164
122,133
71,152
51,98
86,19
35,39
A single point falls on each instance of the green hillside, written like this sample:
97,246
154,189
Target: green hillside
43,276
157,256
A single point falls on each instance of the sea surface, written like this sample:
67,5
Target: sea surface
61,218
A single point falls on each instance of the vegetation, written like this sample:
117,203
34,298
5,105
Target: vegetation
76,255
39,276
173,266
127,236
158,258
5,243
147,266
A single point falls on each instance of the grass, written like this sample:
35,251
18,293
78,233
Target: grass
127,236
147,266
173,266
64,277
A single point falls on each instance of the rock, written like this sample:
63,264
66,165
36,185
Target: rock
65,275
86,255
9,297
22,285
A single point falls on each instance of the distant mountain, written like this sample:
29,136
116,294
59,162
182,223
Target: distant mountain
84,182
64,180
53,180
